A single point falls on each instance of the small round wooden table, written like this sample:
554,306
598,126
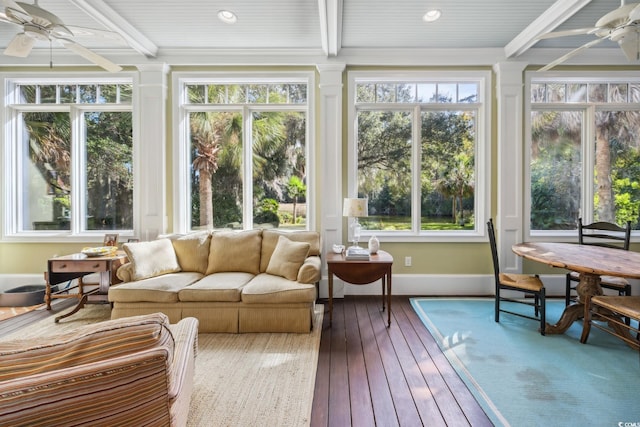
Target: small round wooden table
361,272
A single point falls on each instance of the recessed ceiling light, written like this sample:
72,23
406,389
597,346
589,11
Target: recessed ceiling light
431,15
227,16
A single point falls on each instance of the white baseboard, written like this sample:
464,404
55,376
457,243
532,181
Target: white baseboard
437,285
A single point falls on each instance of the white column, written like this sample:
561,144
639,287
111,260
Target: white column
509,219
330,172
151,183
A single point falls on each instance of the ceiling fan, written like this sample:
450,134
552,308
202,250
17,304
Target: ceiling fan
621,25
40,25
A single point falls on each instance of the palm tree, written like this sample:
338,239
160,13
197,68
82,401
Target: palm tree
207,146
296,190
210,132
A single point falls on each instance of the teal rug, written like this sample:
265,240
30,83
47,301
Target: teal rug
522,378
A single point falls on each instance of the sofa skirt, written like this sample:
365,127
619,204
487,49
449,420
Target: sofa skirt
228,317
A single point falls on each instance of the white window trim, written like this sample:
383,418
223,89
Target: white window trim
9,158
181,169
588,142
482,154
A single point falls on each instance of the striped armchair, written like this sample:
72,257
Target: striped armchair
132,371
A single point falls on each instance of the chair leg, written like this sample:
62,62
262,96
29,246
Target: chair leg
586,322
626,292
497,306
567,292
543,311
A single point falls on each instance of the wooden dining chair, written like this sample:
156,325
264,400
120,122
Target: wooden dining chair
528,284
602,234
612,311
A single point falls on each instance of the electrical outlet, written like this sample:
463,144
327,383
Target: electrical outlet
407,261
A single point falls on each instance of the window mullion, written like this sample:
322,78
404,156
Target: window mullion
416,157
78,174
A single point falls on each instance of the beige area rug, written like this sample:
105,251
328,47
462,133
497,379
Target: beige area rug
240,379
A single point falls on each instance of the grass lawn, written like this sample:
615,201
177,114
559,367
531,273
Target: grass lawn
401,223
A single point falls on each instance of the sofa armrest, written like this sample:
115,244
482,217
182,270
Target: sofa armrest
185,334
125,272
115,391
310,270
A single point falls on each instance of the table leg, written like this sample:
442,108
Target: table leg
47,291
589,286
330,298
389,298
384,290
81,303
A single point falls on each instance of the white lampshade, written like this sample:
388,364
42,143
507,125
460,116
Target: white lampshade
355,207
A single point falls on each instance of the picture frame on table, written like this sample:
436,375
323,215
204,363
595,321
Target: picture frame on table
111,239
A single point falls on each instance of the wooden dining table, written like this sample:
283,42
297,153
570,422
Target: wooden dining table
590,261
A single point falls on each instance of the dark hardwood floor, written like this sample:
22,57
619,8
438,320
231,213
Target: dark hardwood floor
371,375
368,374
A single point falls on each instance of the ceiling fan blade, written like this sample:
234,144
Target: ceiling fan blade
17,11
634,15
91,56
630,45
571,54
574,32
617,17
20,46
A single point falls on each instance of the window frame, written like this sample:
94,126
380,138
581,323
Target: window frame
11,209
181,153
482,196
587,155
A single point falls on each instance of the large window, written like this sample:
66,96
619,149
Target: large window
584,157
417,152
68,157
244,153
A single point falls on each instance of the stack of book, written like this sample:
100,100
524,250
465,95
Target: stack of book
357,254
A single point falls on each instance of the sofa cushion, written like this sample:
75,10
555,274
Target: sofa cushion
216,287
151,259
287,258
270,241
235,251
86,344
155,289
266,288
192,251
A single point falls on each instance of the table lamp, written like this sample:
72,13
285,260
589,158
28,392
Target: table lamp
355,208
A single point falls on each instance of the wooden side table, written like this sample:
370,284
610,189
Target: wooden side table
76,266
361,273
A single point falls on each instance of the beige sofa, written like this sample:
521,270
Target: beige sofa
246,281
126,372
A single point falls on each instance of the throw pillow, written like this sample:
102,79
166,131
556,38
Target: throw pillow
287,258
270,240
235,251
151,259
192,251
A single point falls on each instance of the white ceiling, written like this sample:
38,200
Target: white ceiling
181,32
